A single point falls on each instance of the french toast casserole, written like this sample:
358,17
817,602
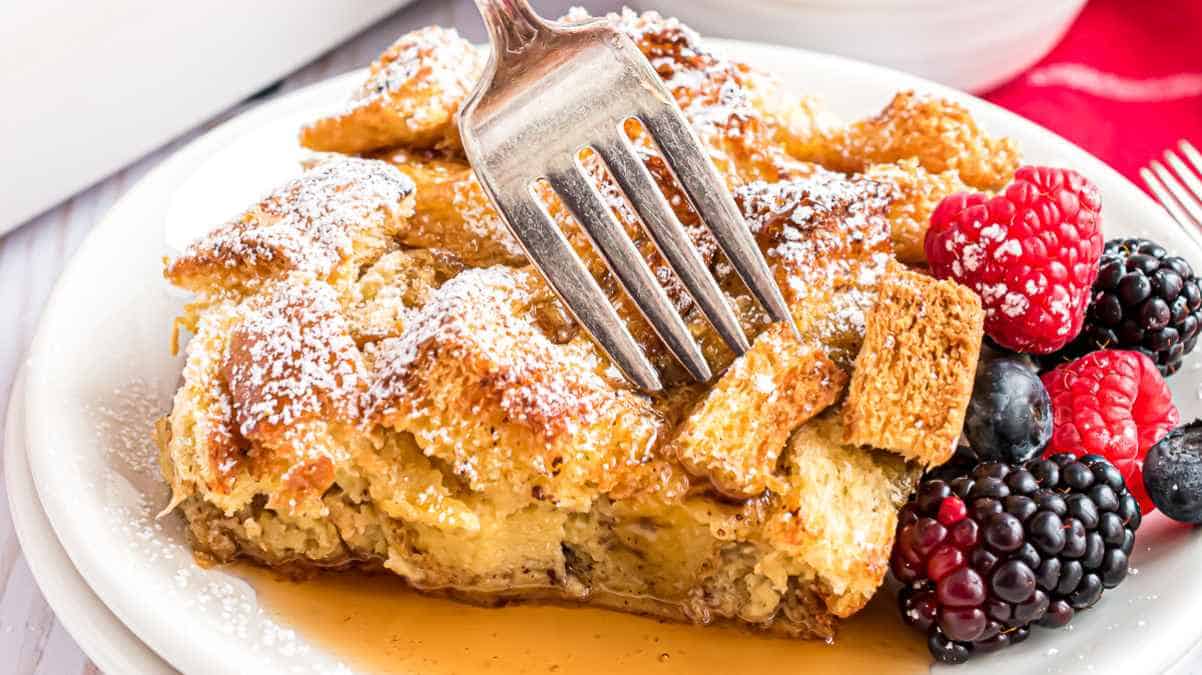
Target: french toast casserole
377,379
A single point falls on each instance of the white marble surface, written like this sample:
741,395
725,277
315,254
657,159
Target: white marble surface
31,257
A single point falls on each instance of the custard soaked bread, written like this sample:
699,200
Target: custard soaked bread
376,379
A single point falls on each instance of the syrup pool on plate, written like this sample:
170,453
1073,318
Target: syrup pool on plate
376,624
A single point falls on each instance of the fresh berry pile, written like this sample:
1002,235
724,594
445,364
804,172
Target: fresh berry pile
1032,521
1000,547
1031,253
1145,300
1111,403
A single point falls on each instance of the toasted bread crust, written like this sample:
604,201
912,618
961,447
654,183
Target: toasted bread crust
918,193
913,376
737,434
410,97
940,134
338,216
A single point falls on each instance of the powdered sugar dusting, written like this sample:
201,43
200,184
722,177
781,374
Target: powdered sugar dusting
827,238
309,224
156,550
291,358
466,316
432,65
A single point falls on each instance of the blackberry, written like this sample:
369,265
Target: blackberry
984,551
1143,300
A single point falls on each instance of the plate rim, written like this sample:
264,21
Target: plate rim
38,399
101,636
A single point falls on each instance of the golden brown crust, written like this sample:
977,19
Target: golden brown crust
914,375
918,193
940,134
411,96
736,434
827,241
452,211
334,218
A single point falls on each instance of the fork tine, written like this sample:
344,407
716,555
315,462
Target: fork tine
670,237
694,171
547,247
1189,203
1192,229
1191,153
1166,200
1183,172
584,201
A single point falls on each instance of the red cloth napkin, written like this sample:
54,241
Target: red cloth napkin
1125,83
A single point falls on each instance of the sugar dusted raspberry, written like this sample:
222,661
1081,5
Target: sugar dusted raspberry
1111,403
1031,253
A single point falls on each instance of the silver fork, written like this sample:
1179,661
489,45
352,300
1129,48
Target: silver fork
551,90
1181,194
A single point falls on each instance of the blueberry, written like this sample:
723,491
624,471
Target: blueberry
1173,473
1009,415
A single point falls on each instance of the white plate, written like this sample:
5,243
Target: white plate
106,641
99,373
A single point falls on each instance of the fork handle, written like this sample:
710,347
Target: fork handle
512,24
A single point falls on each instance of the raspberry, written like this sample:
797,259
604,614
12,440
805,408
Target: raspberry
1031,253
1111,403
1041,541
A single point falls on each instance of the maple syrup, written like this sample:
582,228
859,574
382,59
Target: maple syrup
377,624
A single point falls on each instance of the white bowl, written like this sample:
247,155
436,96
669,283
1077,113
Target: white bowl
99,372
968,44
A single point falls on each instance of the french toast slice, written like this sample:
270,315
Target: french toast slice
403,393
463,438
338,217
827,241
913,377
